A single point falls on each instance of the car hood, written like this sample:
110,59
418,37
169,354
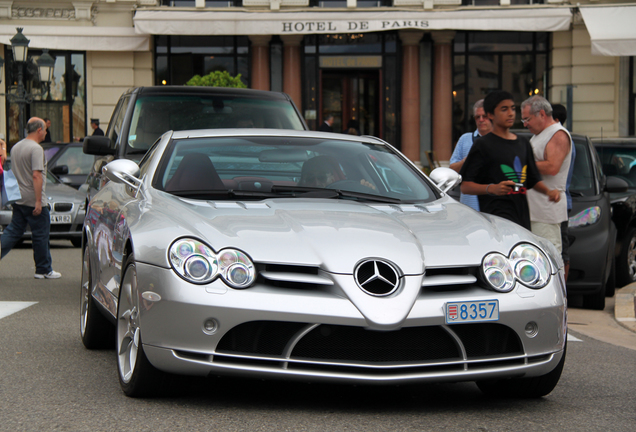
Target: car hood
334,235
57,192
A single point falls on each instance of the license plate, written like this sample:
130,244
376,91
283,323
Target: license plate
60,219
472,311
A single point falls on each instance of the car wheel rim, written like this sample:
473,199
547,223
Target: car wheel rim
631,258
128,334
85,294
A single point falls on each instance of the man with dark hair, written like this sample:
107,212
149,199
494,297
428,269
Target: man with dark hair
327,125
465,143
559,113
500,167
97,131
29,166
552,146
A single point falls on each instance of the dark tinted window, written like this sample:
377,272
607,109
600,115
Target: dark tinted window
155,115
298,166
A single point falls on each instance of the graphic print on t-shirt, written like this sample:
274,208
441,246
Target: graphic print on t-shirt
516,174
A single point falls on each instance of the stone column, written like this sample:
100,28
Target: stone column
260,62
411,94
443,95
291,68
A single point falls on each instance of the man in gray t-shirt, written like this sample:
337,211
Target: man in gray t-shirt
29,167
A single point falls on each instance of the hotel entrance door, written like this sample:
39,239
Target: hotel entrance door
353,97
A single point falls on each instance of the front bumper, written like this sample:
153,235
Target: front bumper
319,335
58,231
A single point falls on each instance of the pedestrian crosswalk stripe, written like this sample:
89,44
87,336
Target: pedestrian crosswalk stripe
10,307
573,338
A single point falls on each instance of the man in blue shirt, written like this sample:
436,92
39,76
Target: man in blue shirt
465,143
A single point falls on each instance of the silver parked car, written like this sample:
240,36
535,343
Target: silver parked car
68,207
315,256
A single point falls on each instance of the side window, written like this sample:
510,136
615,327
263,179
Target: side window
116,124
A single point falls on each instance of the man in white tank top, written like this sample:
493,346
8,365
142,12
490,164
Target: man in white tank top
551,145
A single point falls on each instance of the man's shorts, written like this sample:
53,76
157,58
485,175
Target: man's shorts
551,232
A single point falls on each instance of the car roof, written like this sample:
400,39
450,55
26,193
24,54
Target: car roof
625,141
198,90
204,133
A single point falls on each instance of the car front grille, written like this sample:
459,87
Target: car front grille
334,347
313,278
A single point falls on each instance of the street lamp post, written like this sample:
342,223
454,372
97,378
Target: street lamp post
46,64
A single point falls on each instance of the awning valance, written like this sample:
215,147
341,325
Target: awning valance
612,29
79,38
166,22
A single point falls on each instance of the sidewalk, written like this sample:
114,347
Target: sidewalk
625,307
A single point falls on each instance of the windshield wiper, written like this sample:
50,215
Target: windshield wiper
222,193
309,192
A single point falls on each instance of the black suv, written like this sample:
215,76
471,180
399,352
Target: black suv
143,114
618,156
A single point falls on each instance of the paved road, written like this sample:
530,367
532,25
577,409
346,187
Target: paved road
48,381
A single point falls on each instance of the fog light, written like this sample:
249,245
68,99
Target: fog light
532,329
210,326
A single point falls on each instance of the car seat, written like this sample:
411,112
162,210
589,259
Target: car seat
196,172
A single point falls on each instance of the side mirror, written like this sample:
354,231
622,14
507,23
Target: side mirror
98,145
123,171
445,178
60,170
615,184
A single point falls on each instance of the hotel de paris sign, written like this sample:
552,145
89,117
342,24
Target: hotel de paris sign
209,23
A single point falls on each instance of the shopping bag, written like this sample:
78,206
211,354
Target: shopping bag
10,188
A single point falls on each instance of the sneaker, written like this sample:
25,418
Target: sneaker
50,275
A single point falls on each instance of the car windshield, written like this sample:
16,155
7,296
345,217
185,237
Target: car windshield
257,167
619,162
155,115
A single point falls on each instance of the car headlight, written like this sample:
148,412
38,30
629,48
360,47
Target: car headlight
526,264
589,216
197,263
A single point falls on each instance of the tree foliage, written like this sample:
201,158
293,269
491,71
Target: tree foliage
217,79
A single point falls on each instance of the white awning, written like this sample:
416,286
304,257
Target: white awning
79,38
612,29
167,22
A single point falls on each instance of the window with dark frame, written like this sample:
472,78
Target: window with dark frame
485,61
179,58
63,101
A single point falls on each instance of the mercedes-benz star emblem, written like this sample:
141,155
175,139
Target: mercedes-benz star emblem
377,277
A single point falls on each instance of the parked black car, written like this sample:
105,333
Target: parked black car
143,114
618,156
68,162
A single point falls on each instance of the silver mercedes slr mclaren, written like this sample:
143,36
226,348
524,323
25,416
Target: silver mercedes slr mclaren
314,256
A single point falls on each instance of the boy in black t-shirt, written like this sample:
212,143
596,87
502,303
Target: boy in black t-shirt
500,166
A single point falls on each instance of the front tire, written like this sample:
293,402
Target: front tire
137,376
626,266
525,388
95,330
